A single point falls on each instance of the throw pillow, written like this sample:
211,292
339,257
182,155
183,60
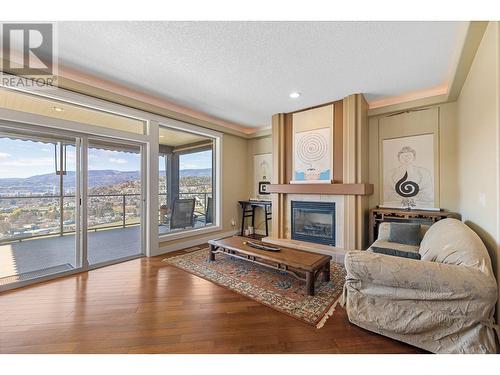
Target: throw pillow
396,253
405,233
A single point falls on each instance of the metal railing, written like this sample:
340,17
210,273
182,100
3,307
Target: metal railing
60,228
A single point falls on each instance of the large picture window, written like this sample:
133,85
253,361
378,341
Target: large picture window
186,181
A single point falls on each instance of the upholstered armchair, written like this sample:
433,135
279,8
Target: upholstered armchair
443,303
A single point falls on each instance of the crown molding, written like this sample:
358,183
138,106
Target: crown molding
409,97
89,85
447,92
86,84
260,133
473,37
411,104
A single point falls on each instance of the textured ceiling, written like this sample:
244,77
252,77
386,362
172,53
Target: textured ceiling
171,137
244,71
19,101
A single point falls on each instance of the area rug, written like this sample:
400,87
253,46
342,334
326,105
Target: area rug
270,287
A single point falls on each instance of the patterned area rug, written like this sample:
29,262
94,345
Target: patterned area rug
272,288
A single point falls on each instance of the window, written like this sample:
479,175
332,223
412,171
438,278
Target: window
186,181
79,130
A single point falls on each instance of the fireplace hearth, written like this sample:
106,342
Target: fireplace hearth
313,222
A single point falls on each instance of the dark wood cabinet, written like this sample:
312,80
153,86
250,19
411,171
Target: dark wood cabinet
379,215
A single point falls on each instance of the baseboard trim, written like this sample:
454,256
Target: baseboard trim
194,242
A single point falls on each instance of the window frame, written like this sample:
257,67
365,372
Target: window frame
216,138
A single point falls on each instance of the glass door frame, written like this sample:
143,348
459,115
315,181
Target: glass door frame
84,193
81,190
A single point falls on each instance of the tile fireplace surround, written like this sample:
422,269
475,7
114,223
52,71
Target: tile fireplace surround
337,251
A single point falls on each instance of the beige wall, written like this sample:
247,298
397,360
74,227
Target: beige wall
440,120
235,187
478,145
235,177
257,146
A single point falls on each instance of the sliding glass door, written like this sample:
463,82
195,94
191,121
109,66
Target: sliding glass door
114,207
67,203
38,205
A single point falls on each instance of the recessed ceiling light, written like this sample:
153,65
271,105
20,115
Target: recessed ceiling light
58,109
294,94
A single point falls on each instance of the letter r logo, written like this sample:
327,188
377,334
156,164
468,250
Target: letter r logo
28,49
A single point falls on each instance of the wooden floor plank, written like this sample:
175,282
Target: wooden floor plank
148,306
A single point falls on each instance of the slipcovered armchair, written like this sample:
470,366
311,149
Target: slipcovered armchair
443,303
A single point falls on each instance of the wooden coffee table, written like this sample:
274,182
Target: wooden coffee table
303,265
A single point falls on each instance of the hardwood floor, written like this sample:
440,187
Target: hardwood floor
147,306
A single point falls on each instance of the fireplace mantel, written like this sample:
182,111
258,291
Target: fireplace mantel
334,189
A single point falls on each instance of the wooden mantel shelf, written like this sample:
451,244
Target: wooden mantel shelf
334,189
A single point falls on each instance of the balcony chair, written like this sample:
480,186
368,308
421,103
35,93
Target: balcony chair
207,217
182,213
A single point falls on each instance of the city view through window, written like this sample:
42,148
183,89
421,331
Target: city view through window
192,181
32,191
32,195
38,202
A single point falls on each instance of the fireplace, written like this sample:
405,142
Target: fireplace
313,222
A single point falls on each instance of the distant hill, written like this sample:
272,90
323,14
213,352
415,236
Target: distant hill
96,178
195,172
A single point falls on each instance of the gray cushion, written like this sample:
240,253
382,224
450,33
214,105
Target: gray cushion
405,233
396,246
396,253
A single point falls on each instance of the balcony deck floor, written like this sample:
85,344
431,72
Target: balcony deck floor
41,253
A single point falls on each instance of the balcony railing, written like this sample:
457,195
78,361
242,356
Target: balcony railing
62,226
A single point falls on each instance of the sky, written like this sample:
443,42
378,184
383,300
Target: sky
199,160
26,158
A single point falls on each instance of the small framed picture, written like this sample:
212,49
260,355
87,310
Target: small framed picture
263,187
